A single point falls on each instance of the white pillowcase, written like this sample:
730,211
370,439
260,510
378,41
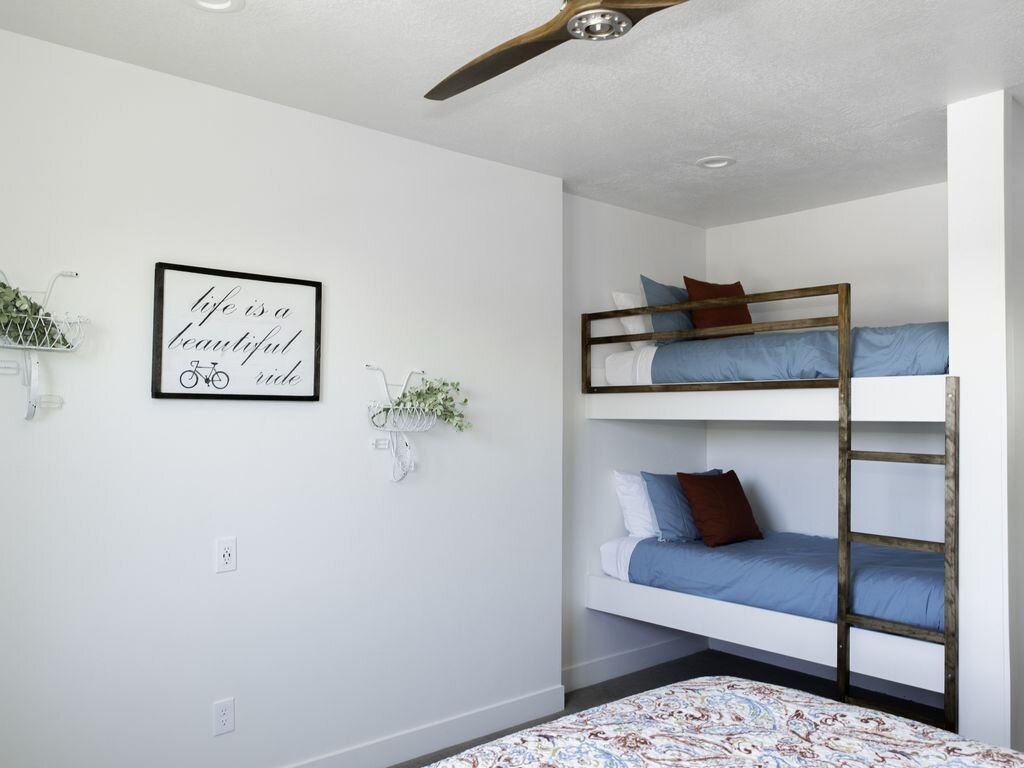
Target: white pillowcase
637,323
637,512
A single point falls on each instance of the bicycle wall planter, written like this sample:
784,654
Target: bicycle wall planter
414,409
235,335
27,326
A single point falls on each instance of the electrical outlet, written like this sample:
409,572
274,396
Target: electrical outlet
226,554
223,716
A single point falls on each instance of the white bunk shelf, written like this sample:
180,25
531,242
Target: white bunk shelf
881,399
903,660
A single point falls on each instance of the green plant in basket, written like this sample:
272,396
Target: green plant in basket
439,397
25,323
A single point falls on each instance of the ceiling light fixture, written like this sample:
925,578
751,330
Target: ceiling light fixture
714,162
218,6
599,24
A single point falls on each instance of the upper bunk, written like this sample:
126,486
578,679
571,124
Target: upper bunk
886,398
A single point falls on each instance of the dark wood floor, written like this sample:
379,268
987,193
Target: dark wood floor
697,665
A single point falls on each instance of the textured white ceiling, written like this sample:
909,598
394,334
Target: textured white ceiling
820,100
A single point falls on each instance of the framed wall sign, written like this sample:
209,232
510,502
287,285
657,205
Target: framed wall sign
235,335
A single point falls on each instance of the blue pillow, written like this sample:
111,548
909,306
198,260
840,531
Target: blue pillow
672,510
656,294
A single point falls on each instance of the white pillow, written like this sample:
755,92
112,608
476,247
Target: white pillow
637,512
637,323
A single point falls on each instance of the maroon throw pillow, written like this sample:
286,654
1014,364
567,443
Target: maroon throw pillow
720,508
698,290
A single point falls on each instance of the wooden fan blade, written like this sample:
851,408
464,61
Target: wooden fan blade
503,58
535,42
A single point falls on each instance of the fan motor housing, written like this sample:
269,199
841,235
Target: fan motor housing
599,24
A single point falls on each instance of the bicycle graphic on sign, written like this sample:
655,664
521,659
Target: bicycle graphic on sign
205,373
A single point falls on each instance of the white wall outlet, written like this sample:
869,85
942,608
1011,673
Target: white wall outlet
223,716
225,554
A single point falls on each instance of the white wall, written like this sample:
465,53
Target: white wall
892,250
1015,415
606,249
790,473
386,620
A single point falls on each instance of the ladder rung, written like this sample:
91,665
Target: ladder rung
904,458
917,545
895,628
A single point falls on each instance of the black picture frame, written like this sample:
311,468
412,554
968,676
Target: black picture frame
159,340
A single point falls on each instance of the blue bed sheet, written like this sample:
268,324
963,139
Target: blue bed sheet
794,573
903,350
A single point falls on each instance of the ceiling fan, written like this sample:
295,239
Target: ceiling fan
576,20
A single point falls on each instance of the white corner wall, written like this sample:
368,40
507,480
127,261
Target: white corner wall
367,622
892,250
1015,364
606,248
978,263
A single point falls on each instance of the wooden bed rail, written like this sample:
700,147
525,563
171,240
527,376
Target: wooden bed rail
840,321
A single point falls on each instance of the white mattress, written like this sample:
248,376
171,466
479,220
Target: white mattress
624,369
615,555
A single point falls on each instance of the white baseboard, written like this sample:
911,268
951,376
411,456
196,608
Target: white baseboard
431,737
910,693
618,664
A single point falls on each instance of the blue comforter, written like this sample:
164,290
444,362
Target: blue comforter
794,573
903,350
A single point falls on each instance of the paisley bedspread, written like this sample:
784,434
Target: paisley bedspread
726,721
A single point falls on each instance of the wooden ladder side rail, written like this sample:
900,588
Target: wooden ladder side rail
843,597
845,618
588,340
951,693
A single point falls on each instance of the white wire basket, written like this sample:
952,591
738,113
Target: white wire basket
400,418
42,332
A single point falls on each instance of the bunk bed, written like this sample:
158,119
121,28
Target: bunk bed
911,652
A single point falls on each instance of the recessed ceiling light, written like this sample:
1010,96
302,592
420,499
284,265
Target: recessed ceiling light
218,6
714,162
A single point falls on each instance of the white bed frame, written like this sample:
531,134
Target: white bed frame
889,398
902,660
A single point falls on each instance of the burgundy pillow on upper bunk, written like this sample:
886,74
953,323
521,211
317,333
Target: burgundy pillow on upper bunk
698,290
720,508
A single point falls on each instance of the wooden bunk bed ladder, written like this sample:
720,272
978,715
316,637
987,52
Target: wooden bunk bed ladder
845,618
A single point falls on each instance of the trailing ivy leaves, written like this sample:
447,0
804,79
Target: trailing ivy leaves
24,322
440,397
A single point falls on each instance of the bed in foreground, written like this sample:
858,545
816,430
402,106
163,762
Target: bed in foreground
726,721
